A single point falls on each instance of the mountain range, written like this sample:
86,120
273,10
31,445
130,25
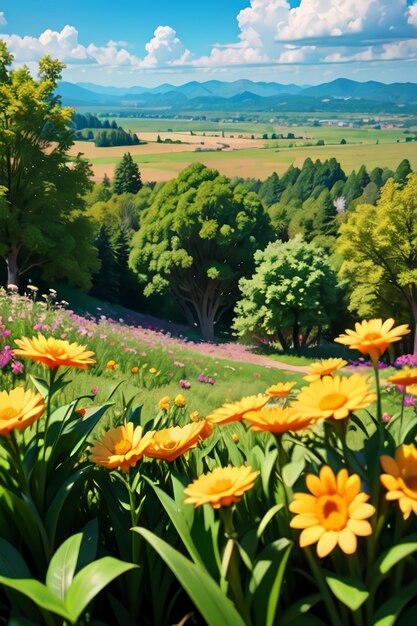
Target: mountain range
340,94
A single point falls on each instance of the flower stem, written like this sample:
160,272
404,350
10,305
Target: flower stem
323,588
378,389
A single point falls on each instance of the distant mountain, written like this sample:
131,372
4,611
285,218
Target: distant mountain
340,95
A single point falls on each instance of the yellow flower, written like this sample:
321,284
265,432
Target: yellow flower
134,370
324,367
180,401
373,336
152,370
234,411
280,390
194,416
170,443
400,479
19,408
412,389
277,419
54,352
334,513
122,447
235,438
111,365
221,487
165,403
334,397
406,376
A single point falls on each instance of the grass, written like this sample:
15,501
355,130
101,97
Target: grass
260,163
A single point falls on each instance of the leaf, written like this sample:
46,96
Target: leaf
207,596
398,552
89,544
349,591
389,611
269,515
41,385
267,578
11,563
295,615
38,593
90,581
62,566
179,522
292,471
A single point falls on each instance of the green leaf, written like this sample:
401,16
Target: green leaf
38,593
269,515
62,566
177,518
90,581
397,553
11,563
296,614
349,591
267,578
213,605
41,385
292,471
390,610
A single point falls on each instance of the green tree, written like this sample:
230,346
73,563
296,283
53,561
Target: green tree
379,245
293,291
106,280
127,176
402,171
42,221
270,190
196,240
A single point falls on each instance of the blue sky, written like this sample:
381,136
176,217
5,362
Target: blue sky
146,42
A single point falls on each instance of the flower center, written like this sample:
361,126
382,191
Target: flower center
220,485
372,336
332,401
410,486
8,413
333,512
169,445
123,446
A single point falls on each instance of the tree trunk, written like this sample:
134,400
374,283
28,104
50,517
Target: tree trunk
296,337
12,266
282,340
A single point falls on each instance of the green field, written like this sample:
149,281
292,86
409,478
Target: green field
262,162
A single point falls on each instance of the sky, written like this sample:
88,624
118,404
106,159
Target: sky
149,42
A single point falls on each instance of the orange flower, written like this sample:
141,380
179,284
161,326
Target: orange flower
111,365
54,352
194,416
280,390
221,487
234,411
164,403
406,376
81,412
122,447
334,397
277,419
324,367
235,438
373,336
134,370
334,513
19,408
179,401
170,443
400,479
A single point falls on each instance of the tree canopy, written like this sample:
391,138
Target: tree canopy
292,291
42,221
379,245
127,177
196,240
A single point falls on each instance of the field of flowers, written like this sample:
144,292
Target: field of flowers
143,483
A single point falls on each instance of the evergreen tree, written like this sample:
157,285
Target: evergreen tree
363,177
376,176
270,190
106,280
352,188
127,176
402,171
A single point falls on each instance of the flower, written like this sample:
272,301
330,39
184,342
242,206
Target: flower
111,365
234,411
406,376
386,417
179,401
164,403
170,443
334,513
221,487
121,446
235,438
80,411
185,384
334,397
19,408
280,390
409,401
400,479
134,370
54,352
94,391
6,355
277,419
324,367
194,416
373,336
17,368
152,370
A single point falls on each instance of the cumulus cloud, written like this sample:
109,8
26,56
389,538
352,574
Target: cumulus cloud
165,48
3,20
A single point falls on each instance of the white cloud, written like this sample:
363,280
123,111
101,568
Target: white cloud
3,20
165,48
412,15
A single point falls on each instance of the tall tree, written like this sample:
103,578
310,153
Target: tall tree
196,240
379,246
402,171
293,291
42,221
127,177
106,281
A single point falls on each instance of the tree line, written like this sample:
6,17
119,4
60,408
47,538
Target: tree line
89,127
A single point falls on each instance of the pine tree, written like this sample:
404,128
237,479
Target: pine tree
402,171
106,281
127,176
